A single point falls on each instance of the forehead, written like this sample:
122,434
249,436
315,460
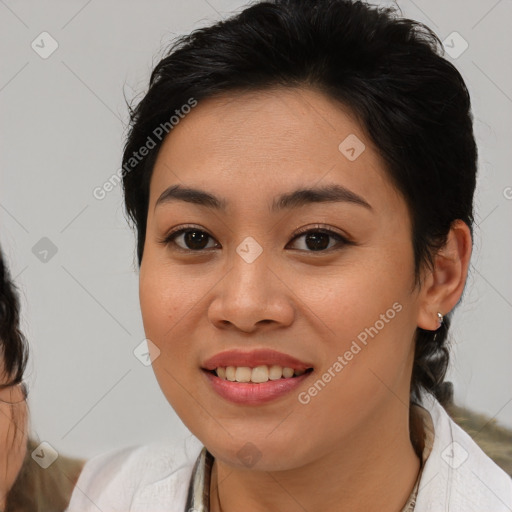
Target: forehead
270,141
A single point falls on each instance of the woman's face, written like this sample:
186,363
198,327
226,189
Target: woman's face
242,288
13,439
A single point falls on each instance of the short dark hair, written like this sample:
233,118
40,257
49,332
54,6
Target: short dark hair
389,71
13,346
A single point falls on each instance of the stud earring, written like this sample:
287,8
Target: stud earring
440,318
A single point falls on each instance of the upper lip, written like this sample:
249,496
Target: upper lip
254,358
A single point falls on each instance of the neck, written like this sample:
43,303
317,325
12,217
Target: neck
373,471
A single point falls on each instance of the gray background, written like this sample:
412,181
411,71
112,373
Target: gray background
62,126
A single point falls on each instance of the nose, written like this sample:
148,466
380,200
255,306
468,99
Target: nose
252,297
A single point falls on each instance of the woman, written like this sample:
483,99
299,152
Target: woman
13,408
24,485
301,179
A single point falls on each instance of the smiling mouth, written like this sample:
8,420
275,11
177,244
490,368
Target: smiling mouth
258,374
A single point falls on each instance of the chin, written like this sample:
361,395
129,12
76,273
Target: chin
254,452
251,458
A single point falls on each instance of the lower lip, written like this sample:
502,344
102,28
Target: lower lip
254,394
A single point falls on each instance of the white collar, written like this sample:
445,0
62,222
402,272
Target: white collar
458,475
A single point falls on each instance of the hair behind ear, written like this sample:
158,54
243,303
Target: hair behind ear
431,359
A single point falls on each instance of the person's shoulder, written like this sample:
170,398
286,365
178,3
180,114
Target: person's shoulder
136,478
458,475
44,488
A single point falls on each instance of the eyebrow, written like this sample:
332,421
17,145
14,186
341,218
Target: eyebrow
326,194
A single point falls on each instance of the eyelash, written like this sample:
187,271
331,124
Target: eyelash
318,228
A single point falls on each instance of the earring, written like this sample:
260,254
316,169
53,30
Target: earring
440,318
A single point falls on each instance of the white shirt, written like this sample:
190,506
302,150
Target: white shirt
457,476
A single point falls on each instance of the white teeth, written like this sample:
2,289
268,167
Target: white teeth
230,373
243,374
258,374
275,372
287,373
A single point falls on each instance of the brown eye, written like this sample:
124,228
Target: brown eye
319,240
189,239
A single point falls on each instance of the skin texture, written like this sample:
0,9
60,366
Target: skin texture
349,447
13,440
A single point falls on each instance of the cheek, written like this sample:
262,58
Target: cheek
356,296
366,353
368,318
166,296
170,300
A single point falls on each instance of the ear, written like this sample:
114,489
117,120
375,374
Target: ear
443,286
